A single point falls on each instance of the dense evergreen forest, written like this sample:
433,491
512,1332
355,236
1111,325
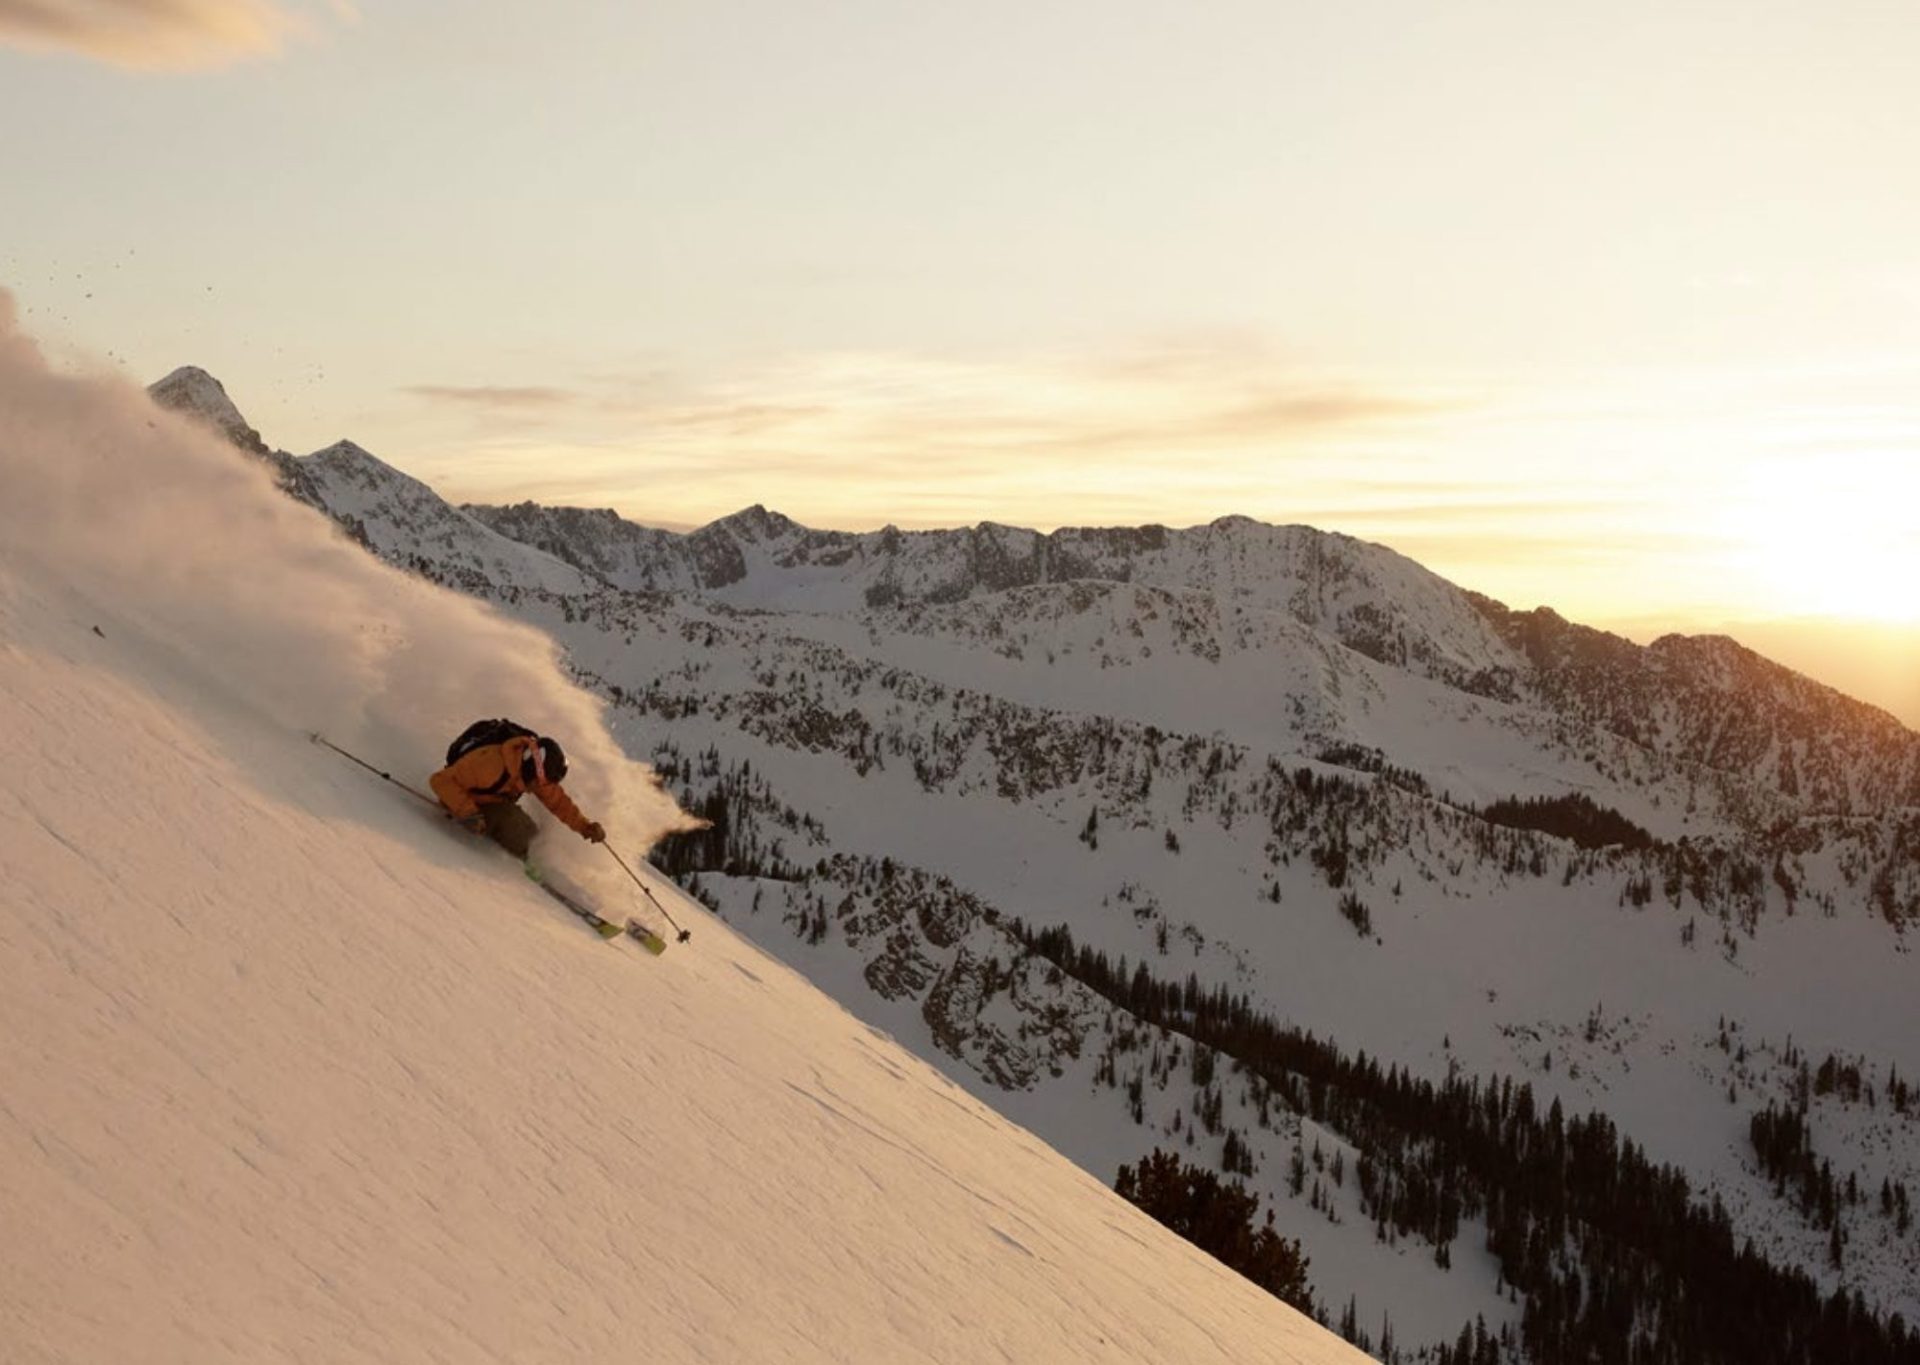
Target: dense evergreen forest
1221,1218
1617,1261
1576,818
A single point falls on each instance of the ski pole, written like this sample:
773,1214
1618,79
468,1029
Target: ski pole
319,738
685,934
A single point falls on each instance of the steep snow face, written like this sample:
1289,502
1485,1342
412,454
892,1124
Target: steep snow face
293,1071
398,516
302,1071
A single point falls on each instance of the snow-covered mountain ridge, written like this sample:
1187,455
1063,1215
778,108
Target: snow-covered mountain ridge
1712,701
1700,700
1223,773
385,510
1368,597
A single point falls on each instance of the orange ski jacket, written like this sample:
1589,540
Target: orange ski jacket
490,775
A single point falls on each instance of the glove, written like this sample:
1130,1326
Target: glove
593,833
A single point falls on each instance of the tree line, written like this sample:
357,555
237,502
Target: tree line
1616,1257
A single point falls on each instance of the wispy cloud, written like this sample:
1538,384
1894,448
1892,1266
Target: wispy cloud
495,396
157,34
867,407
872,437
1277,417
1397,511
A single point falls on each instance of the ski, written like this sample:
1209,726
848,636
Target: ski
600,924
645,937
606,928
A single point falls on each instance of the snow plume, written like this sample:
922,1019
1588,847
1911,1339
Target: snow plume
176,538
175,34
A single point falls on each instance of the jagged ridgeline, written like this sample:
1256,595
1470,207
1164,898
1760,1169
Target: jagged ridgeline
1482,950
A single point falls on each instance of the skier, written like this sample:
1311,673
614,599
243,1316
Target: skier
488,769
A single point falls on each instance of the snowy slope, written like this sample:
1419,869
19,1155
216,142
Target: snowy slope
396,515
293,1073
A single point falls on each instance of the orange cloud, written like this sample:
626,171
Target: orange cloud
885,406
154,34
867,438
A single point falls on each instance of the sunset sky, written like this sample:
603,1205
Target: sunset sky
1613,307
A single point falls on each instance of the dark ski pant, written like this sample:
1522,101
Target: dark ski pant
510,827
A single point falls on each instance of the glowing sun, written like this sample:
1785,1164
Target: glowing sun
1835,539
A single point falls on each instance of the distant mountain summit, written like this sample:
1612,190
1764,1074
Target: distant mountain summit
193,392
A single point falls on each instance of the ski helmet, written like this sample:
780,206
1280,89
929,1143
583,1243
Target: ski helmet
552,763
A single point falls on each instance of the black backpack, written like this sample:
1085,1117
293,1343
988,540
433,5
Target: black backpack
482,733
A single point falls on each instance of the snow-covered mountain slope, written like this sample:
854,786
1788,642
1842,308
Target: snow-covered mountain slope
1698,909
294,1073
602,543
397,516
1709,701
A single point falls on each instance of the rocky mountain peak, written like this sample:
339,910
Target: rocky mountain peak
756,523
192,391
343,449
